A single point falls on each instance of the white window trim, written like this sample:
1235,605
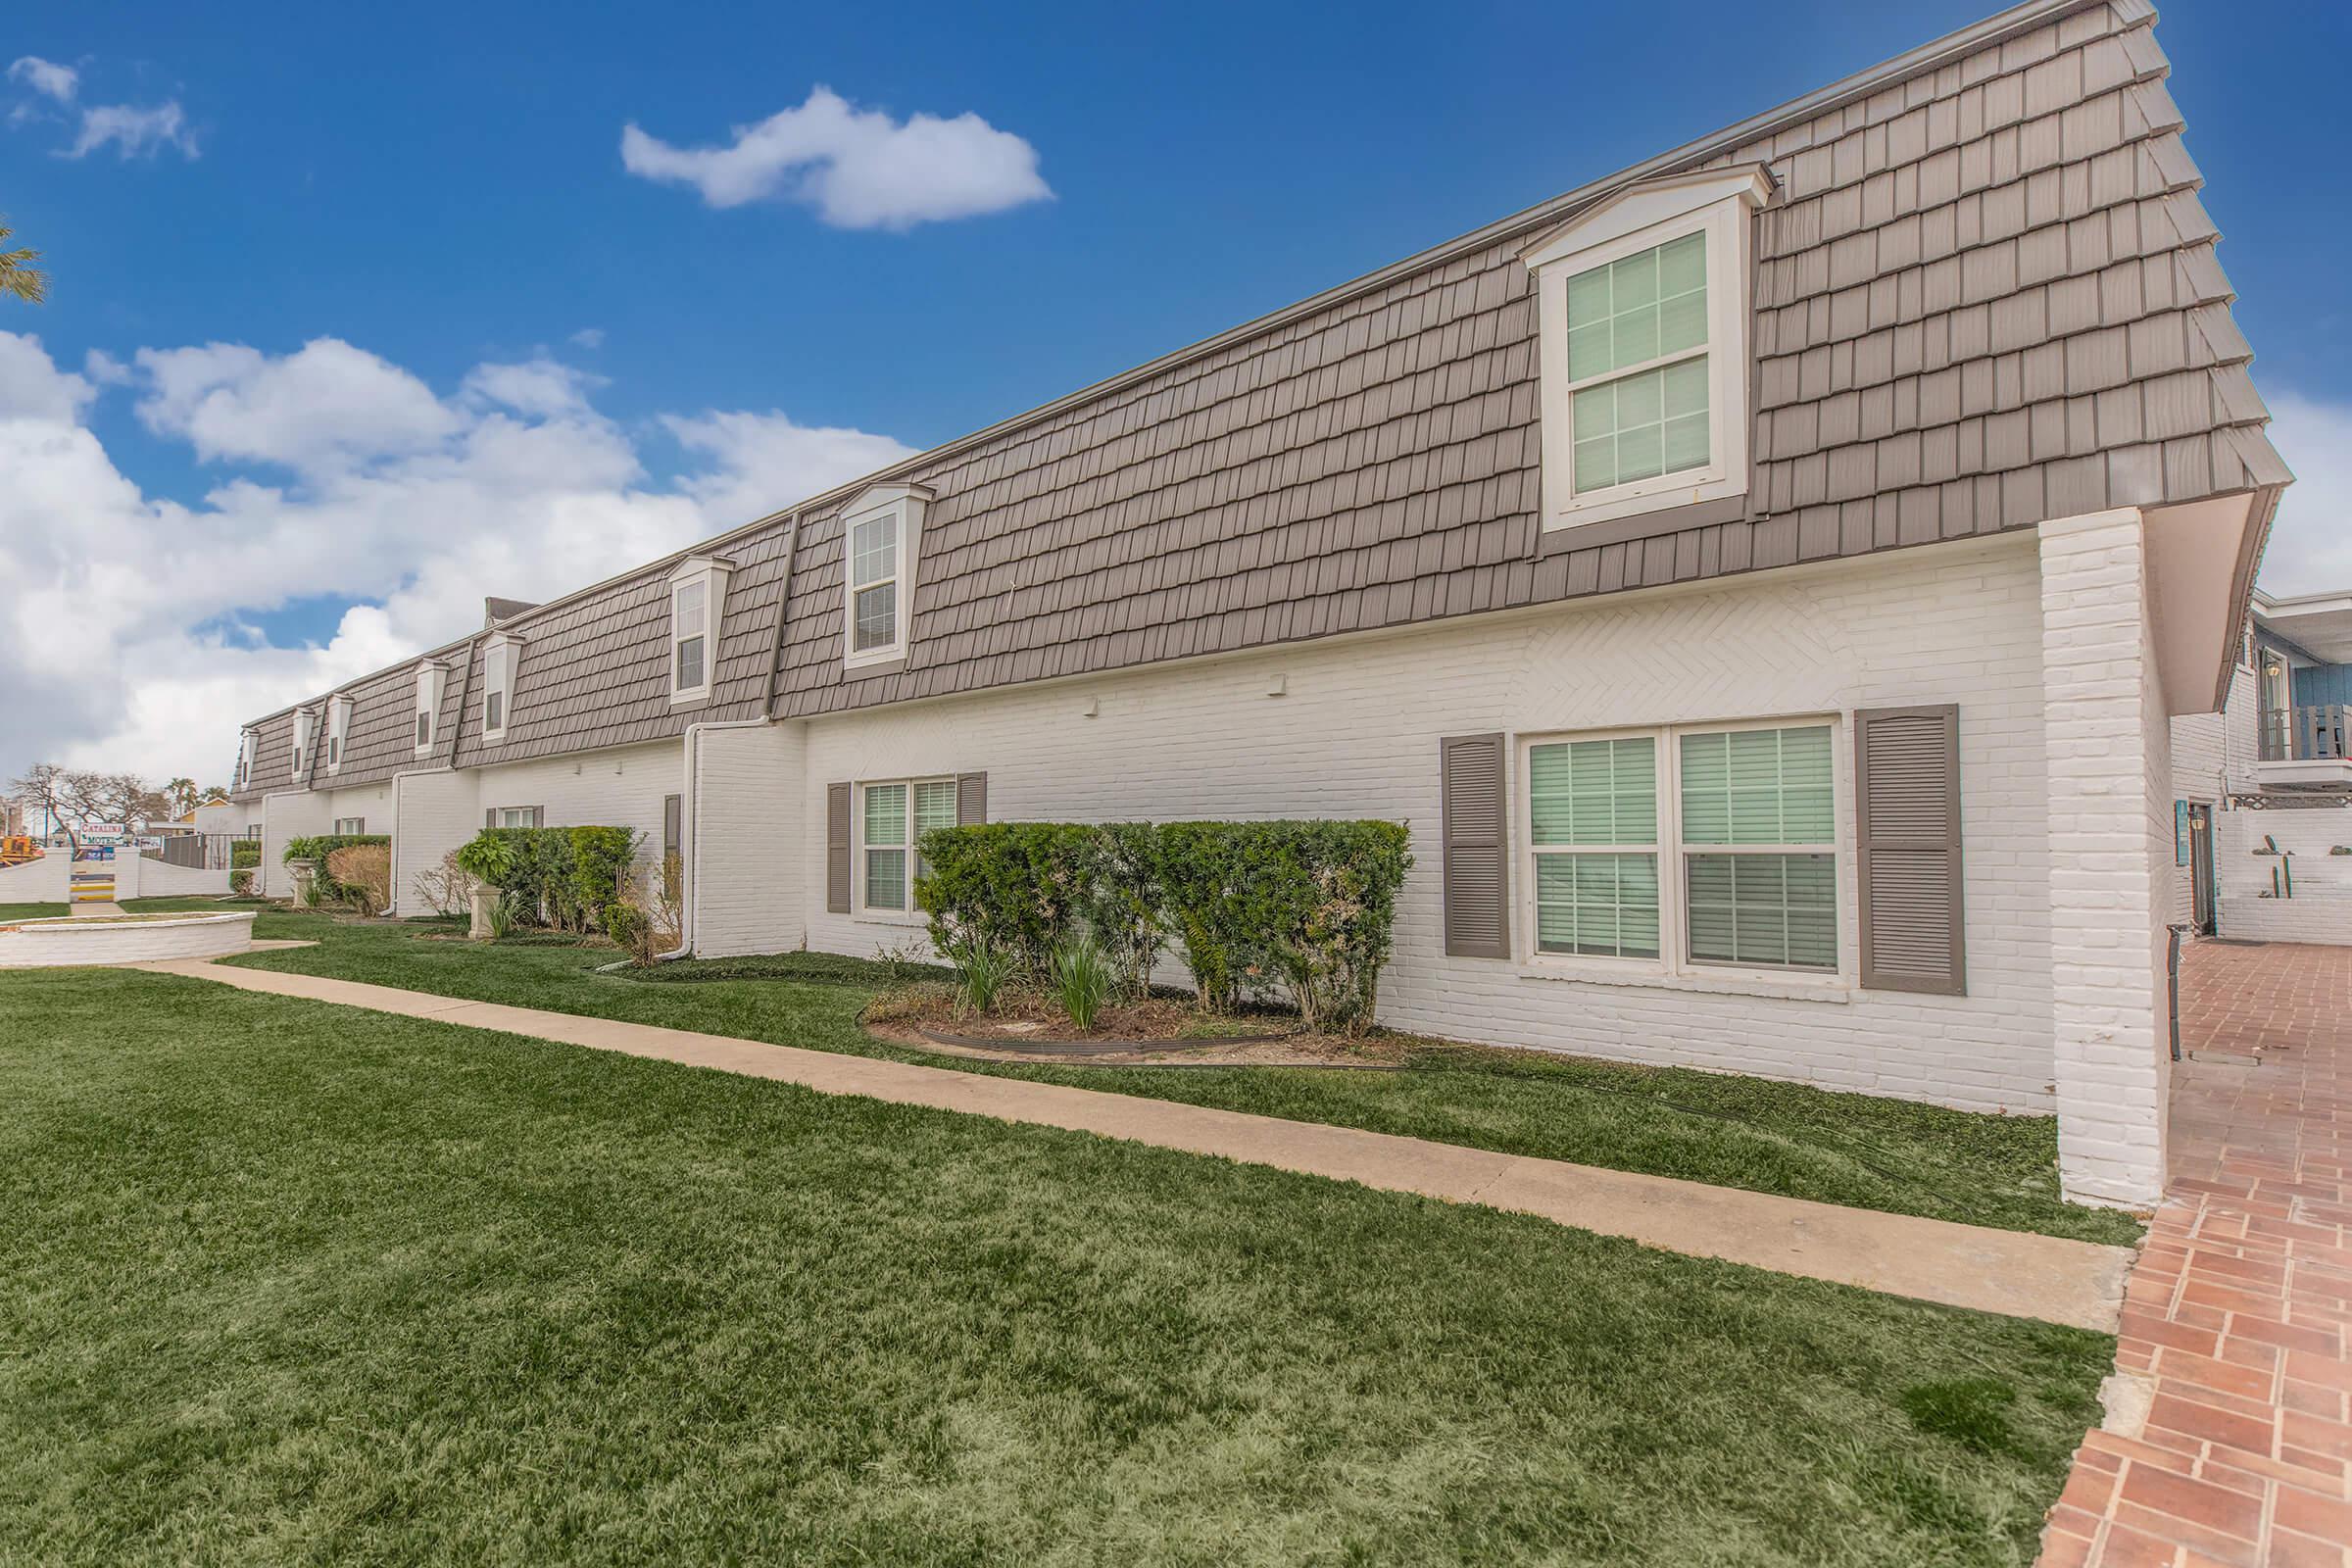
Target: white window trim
859,910
427,701
533,813
304,760
1719,203
512,646
1674,967
249,751
712,574
909,502
338,732
359,829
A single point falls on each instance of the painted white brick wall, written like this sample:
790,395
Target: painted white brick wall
372,803
160,879
227,818
433,812
294,814
1356,735
48,880
623,787
2320,910
745,842
2109,747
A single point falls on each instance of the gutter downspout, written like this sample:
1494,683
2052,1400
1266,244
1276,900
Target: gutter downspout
691,845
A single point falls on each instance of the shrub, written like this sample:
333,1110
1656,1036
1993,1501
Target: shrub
631,930
244,854
1200,875
1321,905
1082,979
320,849
1015,886
1121,900
502,917
447,888
560,876
980,973
362,872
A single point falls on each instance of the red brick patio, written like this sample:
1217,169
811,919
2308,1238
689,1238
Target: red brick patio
2241,1306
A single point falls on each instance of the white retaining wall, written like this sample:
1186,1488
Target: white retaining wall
43,881
1356,734
2320,910
161,879
745,851
110,941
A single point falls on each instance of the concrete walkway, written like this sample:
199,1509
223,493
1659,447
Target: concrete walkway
2237,1328
2008,1272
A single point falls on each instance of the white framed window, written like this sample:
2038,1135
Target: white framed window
428,705
350,826
497,684
1696,848
1643,312
880,538
891,818
516,815
249,744
338,732
698,591
304,722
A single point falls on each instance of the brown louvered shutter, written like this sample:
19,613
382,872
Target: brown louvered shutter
837,849
538,817
490,816
1907,835
971,798
1475,837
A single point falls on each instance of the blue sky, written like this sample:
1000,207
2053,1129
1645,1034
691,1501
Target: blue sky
443,188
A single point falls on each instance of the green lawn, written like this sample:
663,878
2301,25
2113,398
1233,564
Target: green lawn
1858,1149
288,1281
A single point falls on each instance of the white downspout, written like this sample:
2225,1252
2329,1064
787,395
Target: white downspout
690,844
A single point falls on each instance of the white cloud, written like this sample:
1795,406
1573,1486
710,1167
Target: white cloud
46,78
516,485
135,133
858,169
589,337
2311,542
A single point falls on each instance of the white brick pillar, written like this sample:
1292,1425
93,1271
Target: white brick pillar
2109,749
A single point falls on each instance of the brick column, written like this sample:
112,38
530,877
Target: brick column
2109,750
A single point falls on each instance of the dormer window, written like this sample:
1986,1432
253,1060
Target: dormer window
428,705
249,744
497,684
880,533
1643,302
304,718
338,732
698,592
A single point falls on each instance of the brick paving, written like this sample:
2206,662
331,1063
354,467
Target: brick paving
2240,1308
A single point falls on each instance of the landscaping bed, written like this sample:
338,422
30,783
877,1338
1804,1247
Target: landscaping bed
1159,1030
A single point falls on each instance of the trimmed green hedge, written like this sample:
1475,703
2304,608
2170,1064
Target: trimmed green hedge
244,852
560,876
1308,909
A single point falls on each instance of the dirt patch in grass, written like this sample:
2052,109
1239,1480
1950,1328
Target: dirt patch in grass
1157,1031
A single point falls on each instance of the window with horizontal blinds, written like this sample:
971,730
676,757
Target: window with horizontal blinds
885,838
1645,316
1908,848
1593,808
1770,903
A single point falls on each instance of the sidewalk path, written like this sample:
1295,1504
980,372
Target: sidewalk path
2238,1323
2009,1272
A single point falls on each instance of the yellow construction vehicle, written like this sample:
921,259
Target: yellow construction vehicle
16,850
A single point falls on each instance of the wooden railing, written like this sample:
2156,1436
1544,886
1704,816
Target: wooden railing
2306,734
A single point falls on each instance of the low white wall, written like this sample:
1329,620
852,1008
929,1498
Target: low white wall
2320,910
744,851
228,817
160,879
41,881
104,942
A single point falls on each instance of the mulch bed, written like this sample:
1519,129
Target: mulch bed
1161,1031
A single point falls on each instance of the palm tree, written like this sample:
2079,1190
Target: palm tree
181,795
17,274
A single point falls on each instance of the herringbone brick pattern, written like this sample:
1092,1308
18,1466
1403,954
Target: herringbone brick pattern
2240,1309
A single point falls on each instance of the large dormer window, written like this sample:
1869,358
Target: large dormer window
880,533
429,706
698,592
304,719
1643,305
497,684
338,732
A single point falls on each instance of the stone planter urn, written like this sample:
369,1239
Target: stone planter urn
483,899
305,873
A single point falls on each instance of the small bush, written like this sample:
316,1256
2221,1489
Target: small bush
244,854
363,874
562,877
980,973
320,849
447,888
1121,900
632,931
501,917
1015,886
1082,979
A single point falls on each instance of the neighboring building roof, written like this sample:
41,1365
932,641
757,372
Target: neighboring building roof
2320,624
1986,295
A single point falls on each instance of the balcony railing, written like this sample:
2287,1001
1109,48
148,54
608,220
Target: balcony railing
2306,734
